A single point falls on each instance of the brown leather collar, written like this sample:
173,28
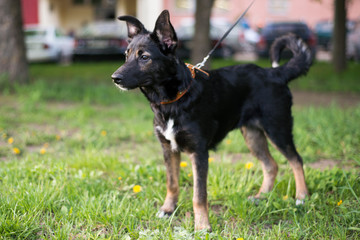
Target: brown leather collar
182,93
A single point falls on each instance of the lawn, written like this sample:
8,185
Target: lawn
73,149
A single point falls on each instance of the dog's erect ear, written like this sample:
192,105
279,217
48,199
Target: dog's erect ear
165,32
134,26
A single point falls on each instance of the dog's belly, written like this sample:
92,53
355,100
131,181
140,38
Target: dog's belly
189,135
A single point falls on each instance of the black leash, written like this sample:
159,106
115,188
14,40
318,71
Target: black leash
200,65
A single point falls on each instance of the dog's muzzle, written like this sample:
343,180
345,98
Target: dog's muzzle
117,78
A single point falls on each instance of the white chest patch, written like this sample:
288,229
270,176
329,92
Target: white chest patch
169,133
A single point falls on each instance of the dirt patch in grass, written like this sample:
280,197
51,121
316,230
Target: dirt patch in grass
327,164
306,98
322,164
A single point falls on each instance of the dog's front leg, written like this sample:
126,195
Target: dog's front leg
172,163
200,165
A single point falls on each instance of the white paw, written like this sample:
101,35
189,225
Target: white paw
162,214
275,64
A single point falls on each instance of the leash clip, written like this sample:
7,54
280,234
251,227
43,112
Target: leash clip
200,65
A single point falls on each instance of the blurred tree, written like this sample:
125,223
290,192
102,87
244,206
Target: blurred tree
201,43
13,63
339,36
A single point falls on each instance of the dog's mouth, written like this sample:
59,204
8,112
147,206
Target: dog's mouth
124,87
121,87
146,83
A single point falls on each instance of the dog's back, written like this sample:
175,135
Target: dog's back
243,94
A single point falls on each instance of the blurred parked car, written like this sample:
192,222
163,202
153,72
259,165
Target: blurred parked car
185,34
353,43
273,30
239,39
105,39
47,44
323,31
248,37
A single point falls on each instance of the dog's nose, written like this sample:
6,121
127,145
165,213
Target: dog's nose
117,78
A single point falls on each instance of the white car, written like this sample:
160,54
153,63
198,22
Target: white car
47,44
353,43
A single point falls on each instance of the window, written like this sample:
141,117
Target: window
190,4
82,2
185,4
78,2
278,7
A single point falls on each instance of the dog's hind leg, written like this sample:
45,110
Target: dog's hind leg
200,166
172,163
257,143
283,140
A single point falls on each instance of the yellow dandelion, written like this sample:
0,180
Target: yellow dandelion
58,137
190,174
42,151
46,145
10,140
228,142
240,239
16,151
339,202
211,159
103,133
119,178
183,164
249,165
285,197
137,188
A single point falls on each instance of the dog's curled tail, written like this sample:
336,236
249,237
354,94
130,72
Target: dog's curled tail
299,64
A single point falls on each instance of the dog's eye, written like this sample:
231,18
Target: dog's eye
144,57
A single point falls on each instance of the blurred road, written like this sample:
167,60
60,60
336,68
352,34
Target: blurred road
321,55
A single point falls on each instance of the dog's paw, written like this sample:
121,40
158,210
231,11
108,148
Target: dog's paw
162,214
254,200
203,226
299,202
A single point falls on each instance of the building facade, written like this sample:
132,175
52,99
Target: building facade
70,15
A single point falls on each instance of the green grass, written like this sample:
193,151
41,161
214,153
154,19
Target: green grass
65,182
322,77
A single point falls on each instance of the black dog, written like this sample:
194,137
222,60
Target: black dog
194,110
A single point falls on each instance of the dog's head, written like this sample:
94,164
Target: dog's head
149,56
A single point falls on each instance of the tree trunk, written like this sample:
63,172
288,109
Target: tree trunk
201,43
13,63
339,36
